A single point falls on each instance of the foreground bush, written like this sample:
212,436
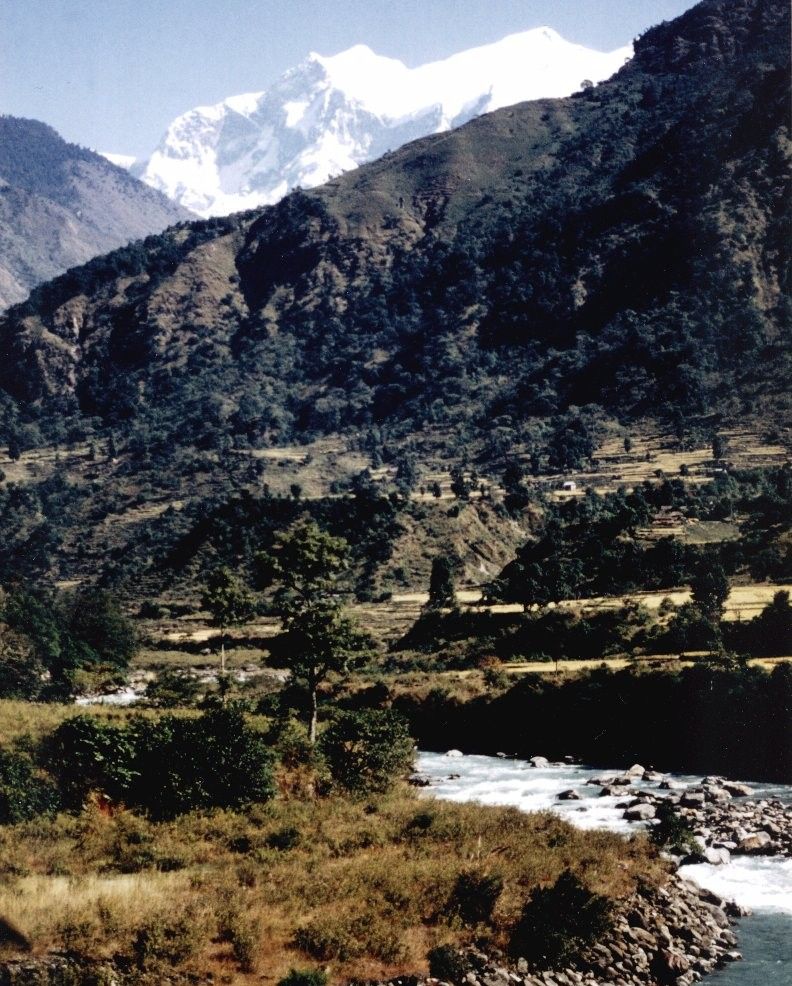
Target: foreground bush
23,795
559,922
367,751
165,767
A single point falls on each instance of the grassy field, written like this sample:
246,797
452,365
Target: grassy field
361,889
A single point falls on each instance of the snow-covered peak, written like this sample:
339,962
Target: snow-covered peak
330,113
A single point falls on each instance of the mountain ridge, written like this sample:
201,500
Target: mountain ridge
61,204
553,255
329,114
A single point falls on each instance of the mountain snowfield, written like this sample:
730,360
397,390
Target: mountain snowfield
328,115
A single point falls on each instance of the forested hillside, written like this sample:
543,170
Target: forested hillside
539,276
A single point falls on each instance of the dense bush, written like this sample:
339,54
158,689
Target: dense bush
366,751
446,964
164,767
557,923
304,977
474,896
23,794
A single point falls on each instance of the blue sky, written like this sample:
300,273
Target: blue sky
111,74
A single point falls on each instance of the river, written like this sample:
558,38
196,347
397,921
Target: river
762,883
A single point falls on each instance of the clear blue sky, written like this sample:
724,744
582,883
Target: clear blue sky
111,74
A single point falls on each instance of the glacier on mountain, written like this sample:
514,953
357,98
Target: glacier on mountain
330,114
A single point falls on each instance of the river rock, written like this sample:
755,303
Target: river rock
716,857
637,770
692,799
539,762
455,754
640,813
737,790
569,795
756,842
418,780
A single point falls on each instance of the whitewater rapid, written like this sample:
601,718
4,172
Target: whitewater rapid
764,884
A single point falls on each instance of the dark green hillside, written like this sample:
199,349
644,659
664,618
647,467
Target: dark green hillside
547,276
625,248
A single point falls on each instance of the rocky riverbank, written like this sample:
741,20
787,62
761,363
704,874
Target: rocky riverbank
668,936
723,819
671,936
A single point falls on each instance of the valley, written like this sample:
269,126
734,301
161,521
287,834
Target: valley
395,576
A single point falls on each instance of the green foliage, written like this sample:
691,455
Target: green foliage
304,977
318,639
710,587
442,591
172,688
474,896
23,794
60,634
86,754
97,622
557,923
671,832
771,631
166,766
227,599
367,751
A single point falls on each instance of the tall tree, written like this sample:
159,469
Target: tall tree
229,601
442,591
318,638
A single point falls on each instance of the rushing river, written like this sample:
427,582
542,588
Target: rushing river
762,883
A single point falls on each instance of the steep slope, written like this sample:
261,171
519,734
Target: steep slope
626,248
328,115
61,204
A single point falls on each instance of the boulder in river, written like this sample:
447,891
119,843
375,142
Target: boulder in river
640,813
539,762
455,753
755,842
737,790
569,795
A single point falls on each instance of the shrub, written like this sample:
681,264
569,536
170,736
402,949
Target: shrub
446,963
166,940
474,896
165,767
86,754
285,838
557,923
216,761
304,977
23,795
366,751
173,687
671,832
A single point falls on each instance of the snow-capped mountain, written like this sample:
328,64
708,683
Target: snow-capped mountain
328,115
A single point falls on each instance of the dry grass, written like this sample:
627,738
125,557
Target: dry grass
363,890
